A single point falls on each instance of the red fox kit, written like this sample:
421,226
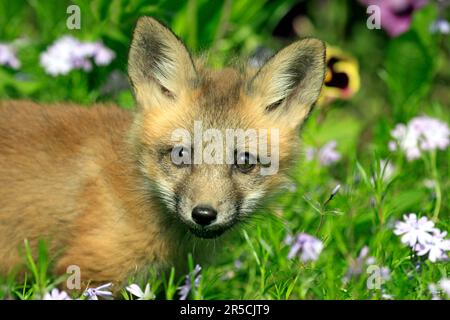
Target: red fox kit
105,188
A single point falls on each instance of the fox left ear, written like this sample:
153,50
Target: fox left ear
288,85
159,65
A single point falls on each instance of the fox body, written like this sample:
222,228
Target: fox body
99,184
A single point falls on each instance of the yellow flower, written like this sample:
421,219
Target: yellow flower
342,77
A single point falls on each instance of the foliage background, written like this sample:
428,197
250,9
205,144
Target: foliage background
401,78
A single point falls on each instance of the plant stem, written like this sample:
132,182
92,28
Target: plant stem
437,186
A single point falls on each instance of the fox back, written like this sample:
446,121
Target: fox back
116,192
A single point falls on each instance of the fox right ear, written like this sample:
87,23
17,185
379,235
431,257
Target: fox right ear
290,82
159,65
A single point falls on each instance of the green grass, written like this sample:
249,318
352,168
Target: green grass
362,213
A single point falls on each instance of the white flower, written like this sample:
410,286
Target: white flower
387,296
444,284
68,53
101,291
414,231
420,134
55,294
429,183
436,247
443,287
135,290
8,56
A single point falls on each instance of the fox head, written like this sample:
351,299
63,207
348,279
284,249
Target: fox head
194,128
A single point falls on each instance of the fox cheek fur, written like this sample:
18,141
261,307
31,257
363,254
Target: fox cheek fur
108,198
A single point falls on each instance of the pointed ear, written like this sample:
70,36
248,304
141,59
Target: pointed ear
159,65
288,85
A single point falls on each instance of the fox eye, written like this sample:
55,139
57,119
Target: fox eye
245,162
180,156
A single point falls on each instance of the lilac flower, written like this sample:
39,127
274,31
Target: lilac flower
68,53
436,247
310,153
8,56
361,264
414,231
357,266
420,134
385,273
135,290
102,291
423,237
186,288
55,294
305,246
396,15
238,264
440,26
326,155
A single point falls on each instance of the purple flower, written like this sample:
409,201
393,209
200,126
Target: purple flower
55,294
326,155
423,237
68,53
8,56
440,26
385,273
310,153
357,266
414,231
186,288
102,291
420,134
396,15
135,290
304,246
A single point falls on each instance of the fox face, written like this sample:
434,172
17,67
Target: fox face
210,145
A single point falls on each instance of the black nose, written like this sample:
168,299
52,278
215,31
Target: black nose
204,215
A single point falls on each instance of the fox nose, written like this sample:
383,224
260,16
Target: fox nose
204,215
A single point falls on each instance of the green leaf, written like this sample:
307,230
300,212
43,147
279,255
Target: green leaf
410,69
